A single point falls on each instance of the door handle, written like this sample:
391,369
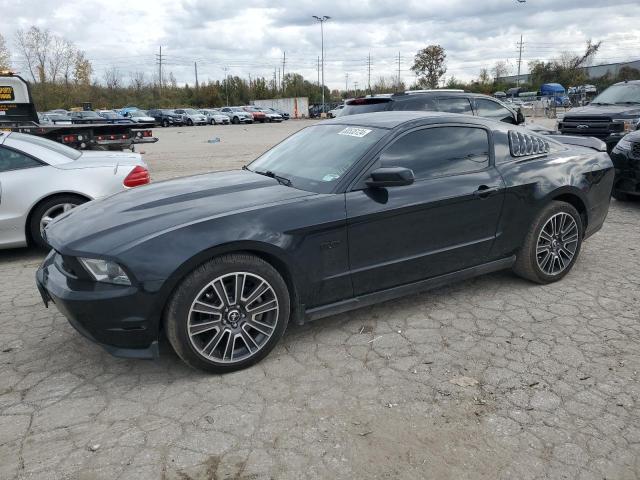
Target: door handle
485,191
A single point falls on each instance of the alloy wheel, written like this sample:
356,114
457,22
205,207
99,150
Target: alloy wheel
51,213
233,317
557,243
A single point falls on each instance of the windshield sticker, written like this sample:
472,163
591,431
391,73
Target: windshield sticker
330,177
355,132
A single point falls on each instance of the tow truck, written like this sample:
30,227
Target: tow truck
18,114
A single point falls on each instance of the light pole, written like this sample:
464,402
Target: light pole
322,19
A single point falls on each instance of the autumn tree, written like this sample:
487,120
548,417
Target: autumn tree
484,78
82,69
500,70
429,65
5,56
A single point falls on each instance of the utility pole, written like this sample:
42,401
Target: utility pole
195,66
159,60
284,61
369,72
398,69
346,84
279,82
318,70
322,19
275,80
226,84
520,45
355,87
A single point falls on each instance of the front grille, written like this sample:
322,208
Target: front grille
635,150
600,127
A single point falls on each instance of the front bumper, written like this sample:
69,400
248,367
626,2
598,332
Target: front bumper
116,317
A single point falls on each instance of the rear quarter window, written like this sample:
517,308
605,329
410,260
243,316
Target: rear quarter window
367,106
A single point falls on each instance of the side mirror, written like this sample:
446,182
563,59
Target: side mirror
390,177
519,116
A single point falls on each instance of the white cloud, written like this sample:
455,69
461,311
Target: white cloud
249,37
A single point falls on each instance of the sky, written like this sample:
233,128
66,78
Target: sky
250,37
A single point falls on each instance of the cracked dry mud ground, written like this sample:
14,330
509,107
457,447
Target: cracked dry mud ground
360,395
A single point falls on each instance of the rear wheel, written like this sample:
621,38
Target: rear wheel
236,120
190,122
228,314
165,123
552,244
48,211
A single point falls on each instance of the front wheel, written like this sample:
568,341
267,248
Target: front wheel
165,123
552,244
190,123
228,314
48,211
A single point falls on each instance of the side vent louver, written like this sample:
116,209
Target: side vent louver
522,144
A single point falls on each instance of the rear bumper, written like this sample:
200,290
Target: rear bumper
115,317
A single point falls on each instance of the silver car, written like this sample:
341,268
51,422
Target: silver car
41,179
272,115
215,117
191,116
237,114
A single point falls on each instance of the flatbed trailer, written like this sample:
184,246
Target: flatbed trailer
18,114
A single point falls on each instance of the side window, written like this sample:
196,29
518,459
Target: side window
12,160
455,105
491,109
416,104
439,151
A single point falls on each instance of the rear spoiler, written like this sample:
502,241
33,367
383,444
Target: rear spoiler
589,142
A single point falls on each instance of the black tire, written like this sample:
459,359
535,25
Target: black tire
52,204
165,123
620,196
527,262
235,120
197,285
190,122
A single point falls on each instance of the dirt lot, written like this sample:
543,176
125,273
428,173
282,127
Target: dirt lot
493,378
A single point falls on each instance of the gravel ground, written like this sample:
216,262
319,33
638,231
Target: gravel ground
491,378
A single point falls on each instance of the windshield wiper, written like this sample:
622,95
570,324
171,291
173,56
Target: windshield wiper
268,173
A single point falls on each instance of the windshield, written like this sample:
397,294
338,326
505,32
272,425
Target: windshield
138,113
110,115
68,152
625,93
317,157
190,111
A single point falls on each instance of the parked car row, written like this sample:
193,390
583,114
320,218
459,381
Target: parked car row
167,117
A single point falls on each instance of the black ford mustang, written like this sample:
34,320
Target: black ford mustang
342,214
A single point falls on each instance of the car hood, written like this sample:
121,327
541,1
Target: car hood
120,221
94,159
605,111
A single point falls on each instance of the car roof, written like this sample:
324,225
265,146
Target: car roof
633,82
395,118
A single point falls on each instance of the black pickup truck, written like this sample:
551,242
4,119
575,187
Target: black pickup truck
609,117
18,114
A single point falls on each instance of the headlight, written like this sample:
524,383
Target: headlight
630,124
105,271
624,145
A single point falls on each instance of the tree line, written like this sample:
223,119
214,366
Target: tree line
62,76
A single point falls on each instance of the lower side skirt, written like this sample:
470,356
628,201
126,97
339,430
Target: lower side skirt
403,290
